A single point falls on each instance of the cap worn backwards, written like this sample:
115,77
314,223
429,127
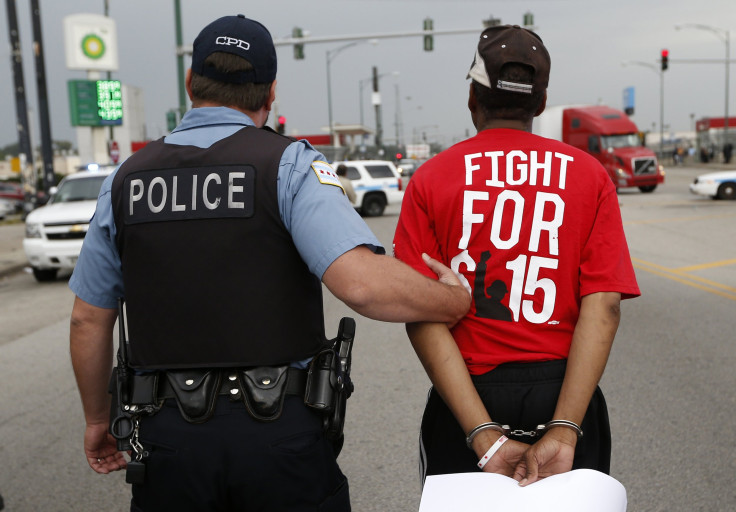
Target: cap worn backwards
504,44
240,36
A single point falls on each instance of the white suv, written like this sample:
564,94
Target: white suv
377,183
55,232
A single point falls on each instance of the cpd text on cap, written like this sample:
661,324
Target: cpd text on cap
231,41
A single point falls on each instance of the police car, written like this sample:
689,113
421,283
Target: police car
718,185
377,183
55,232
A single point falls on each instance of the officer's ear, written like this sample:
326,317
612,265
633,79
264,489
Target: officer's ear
271,96
188,83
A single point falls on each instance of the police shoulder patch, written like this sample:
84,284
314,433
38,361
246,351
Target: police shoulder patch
326,174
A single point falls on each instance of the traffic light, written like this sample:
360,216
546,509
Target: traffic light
428,39
399,156
281,128
528,20
298,48
665,59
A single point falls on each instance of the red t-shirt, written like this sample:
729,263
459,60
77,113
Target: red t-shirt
530,225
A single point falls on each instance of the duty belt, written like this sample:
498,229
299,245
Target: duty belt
262,389
295,384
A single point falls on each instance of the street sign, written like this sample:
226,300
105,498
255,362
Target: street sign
114,152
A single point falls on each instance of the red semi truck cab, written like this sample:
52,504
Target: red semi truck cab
610,136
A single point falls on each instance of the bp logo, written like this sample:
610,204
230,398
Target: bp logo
93,46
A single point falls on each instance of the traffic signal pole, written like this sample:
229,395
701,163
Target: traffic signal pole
47,150
180,60
21,108
187,49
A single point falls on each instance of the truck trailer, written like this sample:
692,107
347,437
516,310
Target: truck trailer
610,136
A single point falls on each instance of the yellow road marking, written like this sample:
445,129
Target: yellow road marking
677,219
680,276
707,265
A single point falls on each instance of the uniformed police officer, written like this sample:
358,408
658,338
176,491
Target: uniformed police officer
217,237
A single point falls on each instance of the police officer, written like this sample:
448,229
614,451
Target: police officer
217,237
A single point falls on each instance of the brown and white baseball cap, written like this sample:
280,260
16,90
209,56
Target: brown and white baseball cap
503,44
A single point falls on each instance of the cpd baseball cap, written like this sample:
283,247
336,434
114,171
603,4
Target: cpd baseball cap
503,44
240,36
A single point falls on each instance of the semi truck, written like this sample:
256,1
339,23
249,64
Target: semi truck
610,136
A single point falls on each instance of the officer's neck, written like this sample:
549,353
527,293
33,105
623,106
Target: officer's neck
259,117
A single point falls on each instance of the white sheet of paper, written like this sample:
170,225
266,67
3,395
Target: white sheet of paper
581,490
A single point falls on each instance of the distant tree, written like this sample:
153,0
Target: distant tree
11,150
63,146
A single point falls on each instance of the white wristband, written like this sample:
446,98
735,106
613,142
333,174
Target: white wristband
491,451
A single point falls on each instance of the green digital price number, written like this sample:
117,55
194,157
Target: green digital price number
95,102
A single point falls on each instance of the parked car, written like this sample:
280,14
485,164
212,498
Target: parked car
718,185
55,232
6,207
12,192
377,183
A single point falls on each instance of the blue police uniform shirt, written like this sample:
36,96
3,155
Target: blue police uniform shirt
322,222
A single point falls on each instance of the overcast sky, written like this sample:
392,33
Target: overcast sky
587,40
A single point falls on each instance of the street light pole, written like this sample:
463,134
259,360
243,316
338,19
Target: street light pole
329,56
660,72
724,35
363,81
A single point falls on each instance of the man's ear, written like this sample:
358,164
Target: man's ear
473,105
543,105
472,100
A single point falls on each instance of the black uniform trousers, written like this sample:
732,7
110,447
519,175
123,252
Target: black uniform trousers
234,463
521,395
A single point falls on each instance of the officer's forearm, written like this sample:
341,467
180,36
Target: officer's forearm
384,288
91,347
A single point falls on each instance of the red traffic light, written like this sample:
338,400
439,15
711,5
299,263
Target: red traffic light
282,119
665,53
665,59
399,156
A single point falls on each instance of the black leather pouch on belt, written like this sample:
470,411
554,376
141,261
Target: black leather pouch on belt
195,392
264,390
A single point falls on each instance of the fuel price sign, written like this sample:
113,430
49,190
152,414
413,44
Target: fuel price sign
95,102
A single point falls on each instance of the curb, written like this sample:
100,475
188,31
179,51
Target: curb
12,269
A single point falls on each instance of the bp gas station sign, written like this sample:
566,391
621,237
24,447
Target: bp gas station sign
90,42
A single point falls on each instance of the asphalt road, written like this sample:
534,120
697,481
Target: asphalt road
670,381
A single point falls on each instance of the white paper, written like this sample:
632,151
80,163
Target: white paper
582,490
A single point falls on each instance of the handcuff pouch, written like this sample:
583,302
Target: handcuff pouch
264,388
195,392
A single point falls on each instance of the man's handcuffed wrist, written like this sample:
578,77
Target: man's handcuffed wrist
503,429
561,423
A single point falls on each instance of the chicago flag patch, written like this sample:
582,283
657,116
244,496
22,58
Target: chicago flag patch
325,174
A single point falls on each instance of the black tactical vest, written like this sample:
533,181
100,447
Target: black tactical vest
212,277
